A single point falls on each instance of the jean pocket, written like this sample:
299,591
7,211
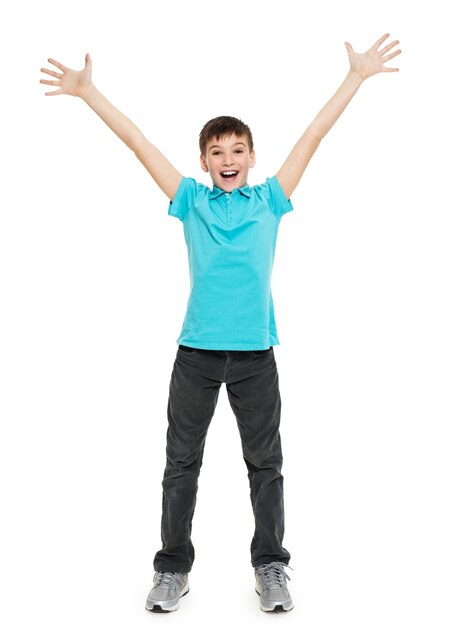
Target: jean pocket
185,348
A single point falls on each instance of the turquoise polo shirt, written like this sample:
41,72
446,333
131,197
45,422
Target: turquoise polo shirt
231,241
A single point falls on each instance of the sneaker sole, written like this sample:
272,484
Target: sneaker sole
157,608
278,608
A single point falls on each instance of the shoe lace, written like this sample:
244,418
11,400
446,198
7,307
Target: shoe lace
274,574
166,580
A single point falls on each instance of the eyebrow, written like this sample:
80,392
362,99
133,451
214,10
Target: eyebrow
239,143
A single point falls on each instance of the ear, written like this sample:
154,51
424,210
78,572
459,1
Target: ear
252,158
204,164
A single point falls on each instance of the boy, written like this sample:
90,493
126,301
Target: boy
229,328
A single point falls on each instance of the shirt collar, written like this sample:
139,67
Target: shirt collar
216,192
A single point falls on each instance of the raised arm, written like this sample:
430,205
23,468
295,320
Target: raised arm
79,83
362,66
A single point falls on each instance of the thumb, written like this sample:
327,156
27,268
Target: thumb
87,58
348,47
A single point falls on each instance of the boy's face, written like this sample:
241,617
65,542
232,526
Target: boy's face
228,161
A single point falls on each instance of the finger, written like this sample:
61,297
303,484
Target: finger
389,47
390,56
390,69
51,73
53,93
49,82
380,41
57,64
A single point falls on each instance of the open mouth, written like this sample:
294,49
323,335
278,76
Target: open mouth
229,174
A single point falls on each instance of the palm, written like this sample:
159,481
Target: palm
372,61
71,82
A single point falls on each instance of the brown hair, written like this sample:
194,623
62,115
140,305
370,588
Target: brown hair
223,126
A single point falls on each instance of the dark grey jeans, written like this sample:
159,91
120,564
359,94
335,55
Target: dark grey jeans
252,383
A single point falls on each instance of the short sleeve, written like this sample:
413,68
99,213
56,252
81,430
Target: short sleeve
184,198
278,202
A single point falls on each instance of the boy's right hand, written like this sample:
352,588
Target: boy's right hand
71,82
79,84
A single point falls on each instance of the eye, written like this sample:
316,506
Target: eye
239,150
215,152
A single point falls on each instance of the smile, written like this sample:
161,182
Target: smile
229,174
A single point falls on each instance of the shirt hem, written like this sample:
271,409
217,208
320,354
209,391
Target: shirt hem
225,346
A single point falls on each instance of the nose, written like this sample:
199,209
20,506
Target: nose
228,160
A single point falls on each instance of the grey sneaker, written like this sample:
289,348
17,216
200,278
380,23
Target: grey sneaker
166,592
271,586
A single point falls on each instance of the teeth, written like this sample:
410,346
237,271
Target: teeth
229,173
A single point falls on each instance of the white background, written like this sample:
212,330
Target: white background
370,284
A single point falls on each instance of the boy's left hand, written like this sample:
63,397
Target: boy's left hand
371,62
